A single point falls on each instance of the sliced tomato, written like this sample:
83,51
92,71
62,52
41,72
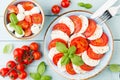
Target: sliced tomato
91,28
57,57
13,9
8,17
80,43
69,69
37,18
77,22
28,32
53,43
94,55
101,41
28,18
24,24
86,67
63,27
27,5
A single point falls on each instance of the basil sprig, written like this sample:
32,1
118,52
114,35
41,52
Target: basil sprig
114,67
69,54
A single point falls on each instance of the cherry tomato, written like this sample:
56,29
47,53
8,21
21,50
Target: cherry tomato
53,43
55,9
77,23
26,48
63,27
4,71
36,55
34,46
28,32
37,18
28,60
13,9
65,3
10,64
57,57
86,67
22,74
28,18
13,75
20,66
27,5
69,69
24,24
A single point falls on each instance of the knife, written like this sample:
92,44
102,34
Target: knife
103,8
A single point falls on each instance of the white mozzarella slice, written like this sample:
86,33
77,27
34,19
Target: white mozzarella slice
87,60
100,49
68,22
85,23
10,28
78,70
20,8
52,52
27,13
18,35
35,28
59,34
20,16
97,34
35,10
62,68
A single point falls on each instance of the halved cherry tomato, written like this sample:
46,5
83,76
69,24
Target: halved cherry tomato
57,57
34,46
4,71
53,43
69,69
86,67
101,41
91,28
55,9
37,18
36,55
65,3
80,43
63,27
24,24
77,22
28,18
27,5
13,75
13,9
10,64
22,74
94,55
20,66
28,32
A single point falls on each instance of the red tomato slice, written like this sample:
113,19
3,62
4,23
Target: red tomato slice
24,24
57,57
37,18
77,22
53,43
27,5
63,27
80,43
86,67
13,9
91,28
94,55
28,19
69,69
101,41
28,32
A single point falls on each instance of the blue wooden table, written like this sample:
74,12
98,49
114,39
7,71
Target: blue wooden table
5,37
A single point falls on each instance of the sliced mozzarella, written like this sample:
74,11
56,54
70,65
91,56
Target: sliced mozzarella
27,13
62,68
100,49
59,34
87,60
35,28
18,35
10,28
35,10
68,22
20,16
20,8
97,34
78,70
52,52
84,23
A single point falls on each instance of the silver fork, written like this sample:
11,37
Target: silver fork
108,14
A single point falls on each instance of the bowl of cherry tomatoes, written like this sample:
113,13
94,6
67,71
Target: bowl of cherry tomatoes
24,19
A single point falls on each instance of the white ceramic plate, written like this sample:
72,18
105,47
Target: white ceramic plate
103,63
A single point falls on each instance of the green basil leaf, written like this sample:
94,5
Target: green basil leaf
77,60
7,48
72,50
61,47
65,60
45,77
114,67
81,4
35,76
41,68
88,6
13,18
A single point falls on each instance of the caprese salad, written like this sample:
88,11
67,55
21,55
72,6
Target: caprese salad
24,19
77,44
